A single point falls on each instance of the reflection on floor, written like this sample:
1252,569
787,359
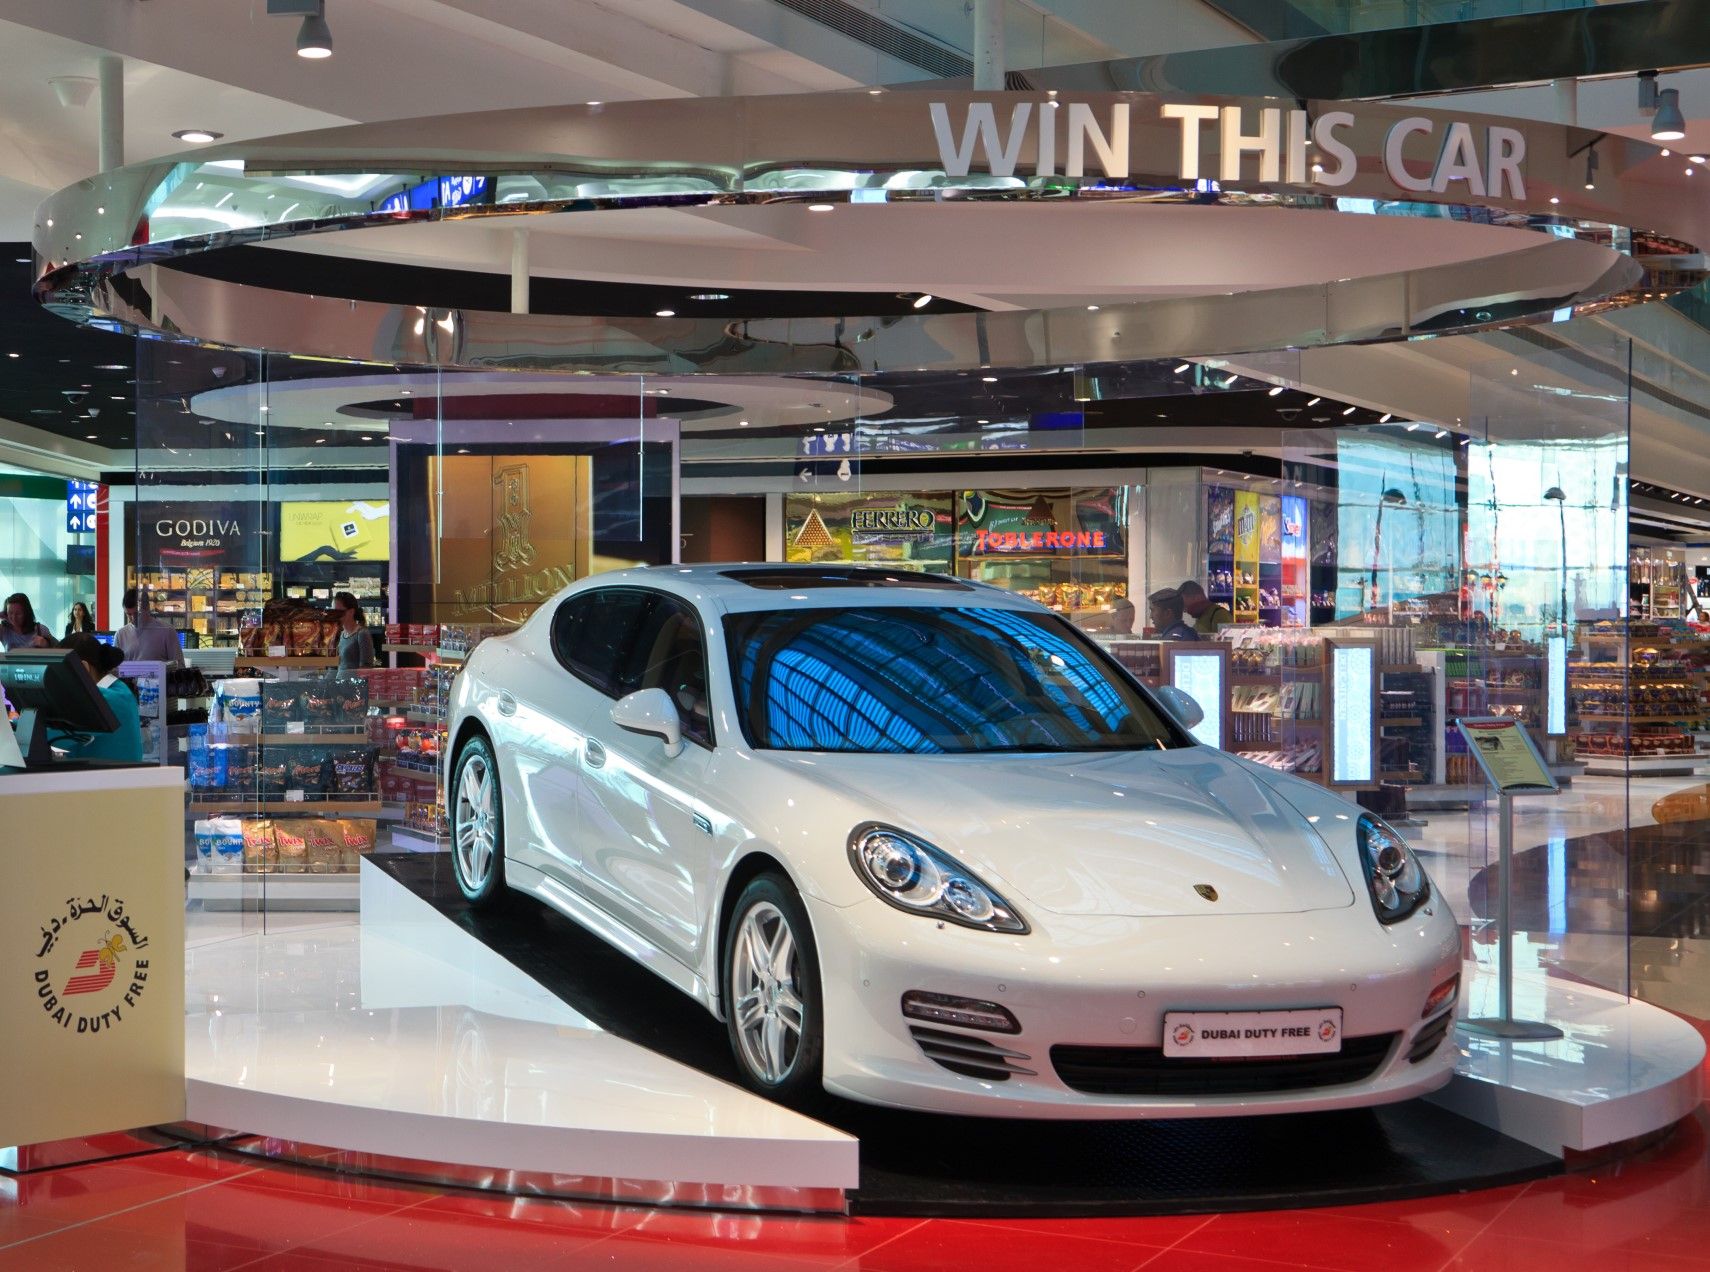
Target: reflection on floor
214,1213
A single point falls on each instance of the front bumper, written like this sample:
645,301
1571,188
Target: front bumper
1106,983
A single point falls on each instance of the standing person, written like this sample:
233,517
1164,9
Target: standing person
1166,615
20,630
355,644
144,638
1209,617
126,741
80,620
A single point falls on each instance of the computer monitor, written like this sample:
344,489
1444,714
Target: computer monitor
51,689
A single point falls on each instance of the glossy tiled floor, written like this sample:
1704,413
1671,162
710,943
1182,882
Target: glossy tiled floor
177,1210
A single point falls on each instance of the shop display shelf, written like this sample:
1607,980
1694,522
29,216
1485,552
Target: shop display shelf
214,804
1647,765
1400,722
340,737
288,660
273,891
1622,718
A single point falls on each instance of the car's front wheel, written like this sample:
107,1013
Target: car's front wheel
477,823
773,1008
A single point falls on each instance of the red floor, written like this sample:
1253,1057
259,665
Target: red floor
210,1212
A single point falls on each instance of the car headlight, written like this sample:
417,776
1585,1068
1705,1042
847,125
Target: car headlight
914,876
1396,879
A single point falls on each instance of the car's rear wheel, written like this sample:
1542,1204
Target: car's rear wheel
773,1008
477,823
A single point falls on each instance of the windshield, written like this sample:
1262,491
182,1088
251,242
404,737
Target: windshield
933,680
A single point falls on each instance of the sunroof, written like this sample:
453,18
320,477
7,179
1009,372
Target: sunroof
853,576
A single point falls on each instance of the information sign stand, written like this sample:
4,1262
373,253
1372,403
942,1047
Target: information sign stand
1511,764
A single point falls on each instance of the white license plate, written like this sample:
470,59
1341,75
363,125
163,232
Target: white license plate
1191,1035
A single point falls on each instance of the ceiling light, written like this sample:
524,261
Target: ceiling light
819,207
14,355
1697,158
1275,391
594,103
710,296
1554,199
89,437
1442,432
1668,124
923,300
1092,309
198,136
1386,419
1666,152
665,313
1315,401
982,421
1347,410
1184,366
314,37
874,92
988,379
1591,168
744,423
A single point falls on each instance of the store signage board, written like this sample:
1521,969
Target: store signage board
1555,680
82,500
1508,756
1352,673
1485,162
1201,677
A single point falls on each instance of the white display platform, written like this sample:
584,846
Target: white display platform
1622,1070
409,1046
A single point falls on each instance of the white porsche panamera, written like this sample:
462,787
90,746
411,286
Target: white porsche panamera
920,841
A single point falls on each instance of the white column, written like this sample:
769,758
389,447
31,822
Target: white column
988,46
519,271
111,71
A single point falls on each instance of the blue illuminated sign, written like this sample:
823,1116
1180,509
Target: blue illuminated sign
81,501
439,192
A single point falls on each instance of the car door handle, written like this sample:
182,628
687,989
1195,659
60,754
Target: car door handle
507,704
595,754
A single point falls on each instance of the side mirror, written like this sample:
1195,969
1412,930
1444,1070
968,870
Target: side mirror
651,711
1181,704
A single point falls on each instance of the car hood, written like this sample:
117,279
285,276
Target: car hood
1134,833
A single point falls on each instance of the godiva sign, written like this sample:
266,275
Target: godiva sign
1486,162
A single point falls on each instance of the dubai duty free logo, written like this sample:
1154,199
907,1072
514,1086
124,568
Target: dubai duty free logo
90,970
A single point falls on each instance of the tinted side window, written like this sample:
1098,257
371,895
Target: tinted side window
594,634
670,653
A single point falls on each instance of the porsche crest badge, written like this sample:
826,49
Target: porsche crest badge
1206,890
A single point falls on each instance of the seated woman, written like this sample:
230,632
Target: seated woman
125,742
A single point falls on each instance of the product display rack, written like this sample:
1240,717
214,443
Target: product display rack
1638,702
207,600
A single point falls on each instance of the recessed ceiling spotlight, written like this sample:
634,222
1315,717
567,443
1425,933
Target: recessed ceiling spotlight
1442,432
111,366
819,207
1092,309
1315,401
594,103
665,313
743,423
1275,391
982,421
1387,417
198,136
89,437
923,300
1696,158
874,92
988,379
710,296
1184,366
1554,199
1347,410
1666,152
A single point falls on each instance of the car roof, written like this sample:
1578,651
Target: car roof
763,585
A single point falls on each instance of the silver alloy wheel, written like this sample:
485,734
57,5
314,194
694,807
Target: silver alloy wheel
474,825
765,979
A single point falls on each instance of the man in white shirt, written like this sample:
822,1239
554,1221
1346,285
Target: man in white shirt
144,638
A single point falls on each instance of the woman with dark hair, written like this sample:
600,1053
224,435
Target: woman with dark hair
125,742
80,621
355,645
20,629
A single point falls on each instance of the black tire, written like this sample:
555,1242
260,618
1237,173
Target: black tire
480,876
769,897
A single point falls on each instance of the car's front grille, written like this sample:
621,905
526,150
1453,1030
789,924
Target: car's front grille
1430,1037
970,1055
1146,1071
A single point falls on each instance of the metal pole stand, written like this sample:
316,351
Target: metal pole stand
1505,1026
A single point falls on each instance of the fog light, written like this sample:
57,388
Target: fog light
970,1013
1441,996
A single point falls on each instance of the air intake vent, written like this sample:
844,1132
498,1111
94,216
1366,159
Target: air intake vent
876,33
1430,1037
1147,1071
969,1055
